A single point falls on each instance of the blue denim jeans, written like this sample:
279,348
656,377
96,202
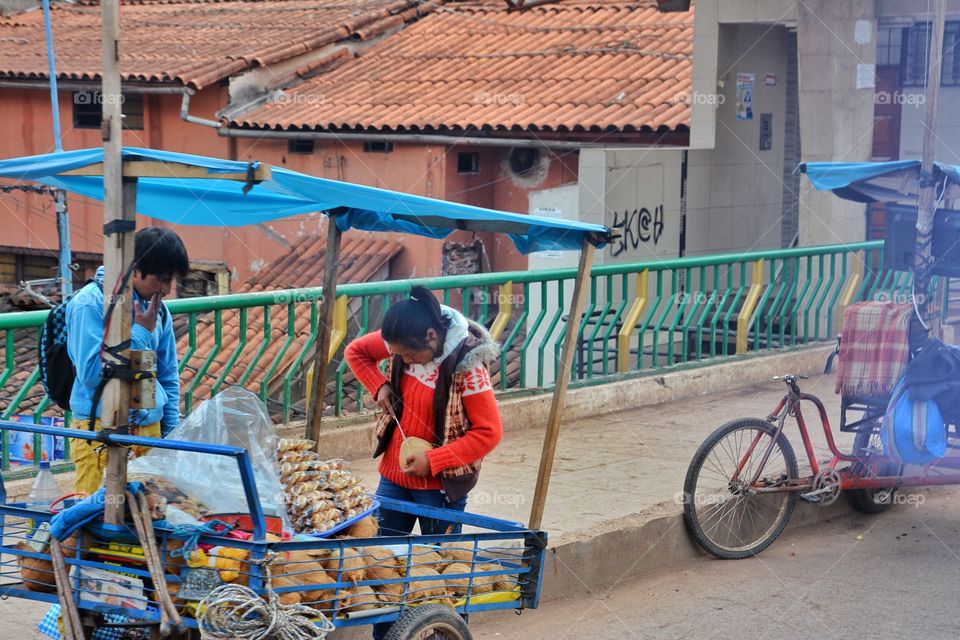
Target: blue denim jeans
396,523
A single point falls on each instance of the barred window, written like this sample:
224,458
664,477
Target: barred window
890,46
918,55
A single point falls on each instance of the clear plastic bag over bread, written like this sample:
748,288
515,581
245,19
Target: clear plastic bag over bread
235,417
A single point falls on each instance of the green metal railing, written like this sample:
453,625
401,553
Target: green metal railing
639,316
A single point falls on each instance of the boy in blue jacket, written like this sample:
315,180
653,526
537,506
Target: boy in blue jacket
160,257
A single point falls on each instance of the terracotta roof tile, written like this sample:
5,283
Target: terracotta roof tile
474,65
191,42
361,257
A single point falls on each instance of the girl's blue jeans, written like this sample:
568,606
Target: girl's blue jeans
396,523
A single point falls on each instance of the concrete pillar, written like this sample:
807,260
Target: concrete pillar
11,7
835,39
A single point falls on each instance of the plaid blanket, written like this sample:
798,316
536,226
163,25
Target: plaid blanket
50,628
874,349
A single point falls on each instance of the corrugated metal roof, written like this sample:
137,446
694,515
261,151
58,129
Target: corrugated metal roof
190,42
574,65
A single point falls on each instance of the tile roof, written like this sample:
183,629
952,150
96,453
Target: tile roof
191,42
573,65
362,256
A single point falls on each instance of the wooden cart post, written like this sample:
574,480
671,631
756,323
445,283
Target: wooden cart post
926,197
119,204
321,357
563,381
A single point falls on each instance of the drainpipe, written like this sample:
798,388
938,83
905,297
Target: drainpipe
409,138
185,111
63,219
89,86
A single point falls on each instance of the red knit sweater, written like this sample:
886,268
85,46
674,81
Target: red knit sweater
417,388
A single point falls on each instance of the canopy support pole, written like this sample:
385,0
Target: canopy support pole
559,399
322,356
926,196
119,205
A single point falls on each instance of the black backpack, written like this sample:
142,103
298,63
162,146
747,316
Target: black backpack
57,372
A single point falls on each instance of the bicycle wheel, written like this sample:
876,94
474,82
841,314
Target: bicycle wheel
724,513
871,500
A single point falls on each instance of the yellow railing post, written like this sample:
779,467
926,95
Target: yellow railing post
337,336
851,286
749,306
505,308
630,322
339,333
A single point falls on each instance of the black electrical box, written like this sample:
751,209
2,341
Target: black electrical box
901,240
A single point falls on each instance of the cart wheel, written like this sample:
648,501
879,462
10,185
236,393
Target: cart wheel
726,515
430,622
871,500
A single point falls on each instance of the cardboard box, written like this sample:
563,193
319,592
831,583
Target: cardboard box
110,588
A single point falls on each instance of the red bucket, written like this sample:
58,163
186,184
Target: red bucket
244,522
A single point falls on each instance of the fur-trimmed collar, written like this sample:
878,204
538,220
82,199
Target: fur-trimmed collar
481,348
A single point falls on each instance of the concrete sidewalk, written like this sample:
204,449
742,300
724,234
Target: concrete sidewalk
612,511
623,464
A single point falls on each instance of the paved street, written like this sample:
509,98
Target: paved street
819,583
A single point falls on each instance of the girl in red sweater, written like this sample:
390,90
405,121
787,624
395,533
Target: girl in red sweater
438,389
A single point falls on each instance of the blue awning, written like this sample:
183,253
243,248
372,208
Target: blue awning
895,181
212,202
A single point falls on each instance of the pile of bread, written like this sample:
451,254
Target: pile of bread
320,494
425,568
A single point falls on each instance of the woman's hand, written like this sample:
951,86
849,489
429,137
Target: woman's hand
417,464
385,400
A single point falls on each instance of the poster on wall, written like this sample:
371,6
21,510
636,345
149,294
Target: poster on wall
549,212
745,87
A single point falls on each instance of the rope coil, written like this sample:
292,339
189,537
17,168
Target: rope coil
237,612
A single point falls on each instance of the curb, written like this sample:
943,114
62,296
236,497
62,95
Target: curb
637,545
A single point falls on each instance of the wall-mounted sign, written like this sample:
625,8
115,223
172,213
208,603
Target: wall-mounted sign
766,131
746,84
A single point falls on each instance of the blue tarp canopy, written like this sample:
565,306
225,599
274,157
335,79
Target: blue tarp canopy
895,181
217,202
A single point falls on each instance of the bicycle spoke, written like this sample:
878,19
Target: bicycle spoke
728,508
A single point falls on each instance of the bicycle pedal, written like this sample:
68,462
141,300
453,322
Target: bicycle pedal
811,497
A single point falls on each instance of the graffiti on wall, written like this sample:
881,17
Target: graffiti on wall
636,227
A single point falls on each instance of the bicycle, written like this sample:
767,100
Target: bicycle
743,482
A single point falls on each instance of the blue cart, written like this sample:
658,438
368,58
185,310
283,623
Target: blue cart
499,565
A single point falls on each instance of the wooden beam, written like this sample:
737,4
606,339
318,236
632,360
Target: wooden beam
158,169
559,399
321,356
925,195
119,204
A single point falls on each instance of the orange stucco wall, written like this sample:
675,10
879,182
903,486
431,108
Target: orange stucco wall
430,170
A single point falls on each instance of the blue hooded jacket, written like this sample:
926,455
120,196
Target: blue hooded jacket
84,338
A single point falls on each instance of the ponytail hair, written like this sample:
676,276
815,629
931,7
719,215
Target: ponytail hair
407,321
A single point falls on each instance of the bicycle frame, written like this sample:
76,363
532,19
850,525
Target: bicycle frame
868,478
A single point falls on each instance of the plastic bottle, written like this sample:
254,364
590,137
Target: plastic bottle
45,489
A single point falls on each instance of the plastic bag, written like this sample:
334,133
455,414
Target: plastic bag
235,417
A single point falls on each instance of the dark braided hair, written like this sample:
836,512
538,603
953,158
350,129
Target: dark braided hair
406,323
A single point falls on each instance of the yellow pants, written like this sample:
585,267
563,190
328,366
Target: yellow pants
90,464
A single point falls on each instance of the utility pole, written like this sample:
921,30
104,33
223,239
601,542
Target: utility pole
63,220
926,196
119,205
